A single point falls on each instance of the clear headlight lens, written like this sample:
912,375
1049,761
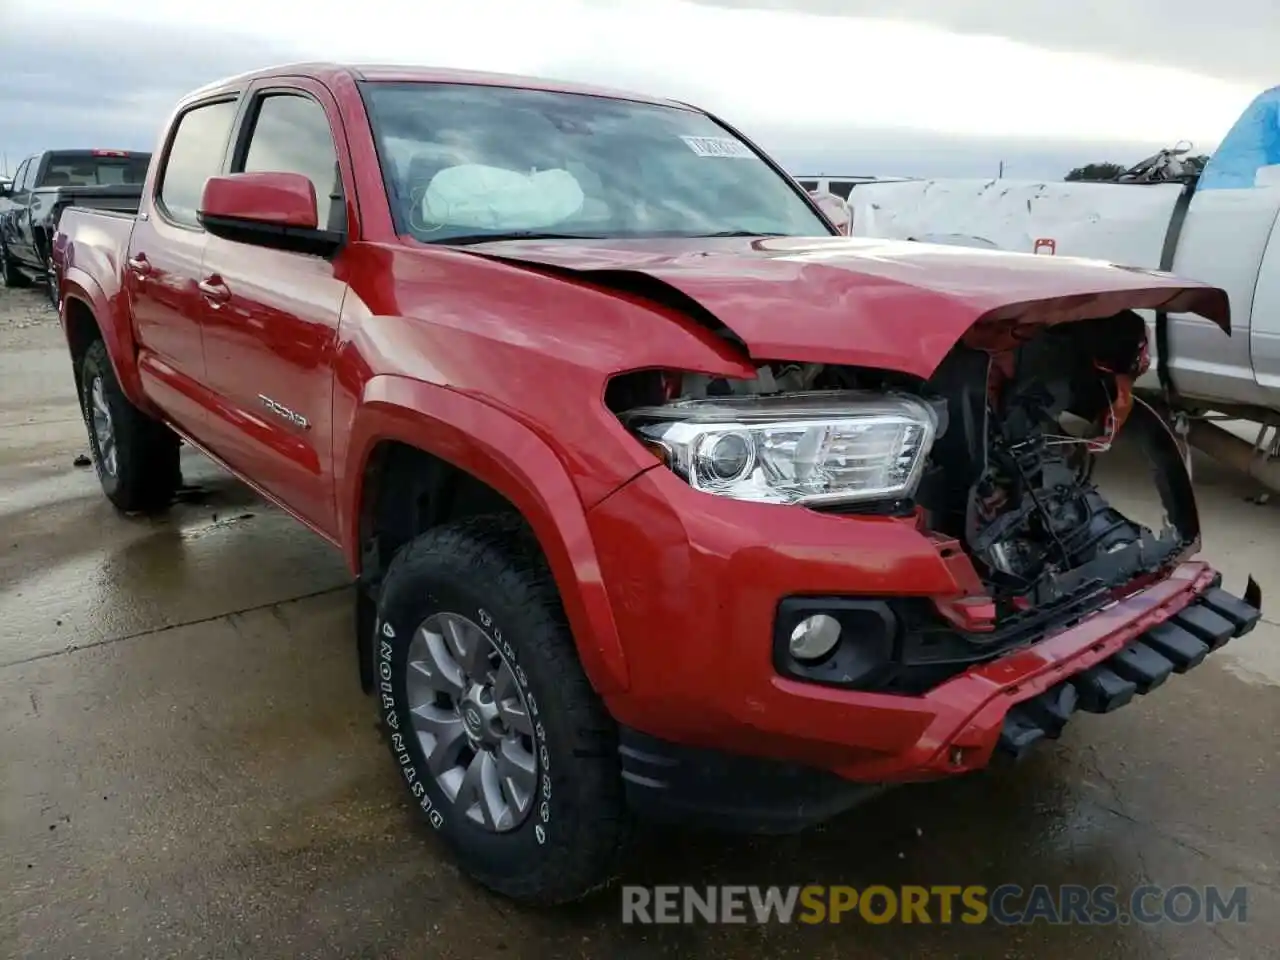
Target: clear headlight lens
826,447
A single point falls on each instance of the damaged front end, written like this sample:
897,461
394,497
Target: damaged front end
992,457
1013,477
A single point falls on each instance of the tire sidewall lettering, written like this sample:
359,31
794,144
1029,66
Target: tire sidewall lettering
541,750
421,784
399,744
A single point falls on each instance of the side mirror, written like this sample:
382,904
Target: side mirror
836,209
6,190
267,210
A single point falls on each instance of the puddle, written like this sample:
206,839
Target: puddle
213,526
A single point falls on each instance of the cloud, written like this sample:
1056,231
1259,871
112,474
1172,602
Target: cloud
855,95
106,84
1228,39
920,153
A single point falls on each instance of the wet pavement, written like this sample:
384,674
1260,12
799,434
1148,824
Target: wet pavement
188,768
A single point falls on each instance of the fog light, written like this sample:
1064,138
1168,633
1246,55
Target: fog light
814,637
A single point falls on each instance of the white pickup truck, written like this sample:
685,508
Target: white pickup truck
1217,227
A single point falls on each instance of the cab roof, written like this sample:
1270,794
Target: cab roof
328,73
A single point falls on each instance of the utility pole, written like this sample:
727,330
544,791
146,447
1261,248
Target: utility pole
1000,175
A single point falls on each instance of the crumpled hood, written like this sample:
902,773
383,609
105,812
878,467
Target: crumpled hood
893,305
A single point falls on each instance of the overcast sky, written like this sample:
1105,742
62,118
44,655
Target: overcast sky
950,88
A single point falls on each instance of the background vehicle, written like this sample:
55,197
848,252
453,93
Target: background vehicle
45,185
662,496
1216,227
842,187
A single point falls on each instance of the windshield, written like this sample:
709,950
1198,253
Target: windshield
465,162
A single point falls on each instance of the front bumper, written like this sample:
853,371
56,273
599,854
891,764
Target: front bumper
695,581
1174,645
1025,702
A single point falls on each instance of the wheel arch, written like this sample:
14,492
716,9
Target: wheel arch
411,440
81,329
84,307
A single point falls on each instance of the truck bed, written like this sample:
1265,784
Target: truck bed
121,213
93,243
125,198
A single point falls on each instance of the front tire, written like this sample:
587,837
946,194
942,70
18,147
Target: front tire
10,275
504,747
51,282
136,457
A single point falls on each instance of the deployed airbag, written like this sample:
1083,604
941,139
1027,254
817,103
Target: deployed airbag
494,198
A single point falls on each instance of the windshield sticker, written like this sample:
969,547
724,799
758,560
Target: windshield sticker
717,147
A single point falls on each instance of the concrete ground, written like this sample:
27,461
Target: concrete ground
188,768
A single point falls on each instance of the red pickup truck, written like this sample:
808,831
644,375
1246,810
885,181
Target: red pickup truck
662,497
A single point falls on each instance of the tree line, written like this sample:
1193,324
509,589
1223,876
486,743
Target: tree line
1109,171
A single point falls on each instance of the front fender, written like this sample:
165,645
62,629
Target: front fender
504,453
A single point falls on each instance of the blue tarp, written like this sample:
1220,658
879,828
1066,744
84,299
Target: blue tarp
1253,142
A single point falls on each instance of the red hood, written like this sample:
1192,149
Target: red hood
874,303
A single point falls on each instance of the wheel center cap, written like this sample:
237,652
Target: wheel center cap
472,719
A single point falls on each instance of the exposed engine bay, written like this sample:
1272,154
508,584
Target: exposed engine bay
1012,477
1010,474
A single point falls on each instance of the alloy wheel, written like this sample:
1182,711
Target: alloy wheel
472,721
103,428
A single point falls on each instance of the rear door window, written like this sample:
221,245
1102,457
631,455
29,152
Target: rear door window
195,154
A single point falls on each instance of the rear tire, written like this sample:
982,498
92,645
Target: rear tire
482,584
10,275
136,457
51,282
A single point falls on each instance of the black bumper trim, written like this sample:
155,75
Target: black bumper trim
669,782
1175,646
1180,646
1242,615
1144,666
1102,690
1052,709
1207,626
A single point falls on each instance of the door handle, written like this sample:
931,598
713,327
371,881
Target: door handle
214,290
140,265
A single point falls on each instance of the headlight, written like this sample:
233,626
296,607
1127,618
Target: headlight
826,447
